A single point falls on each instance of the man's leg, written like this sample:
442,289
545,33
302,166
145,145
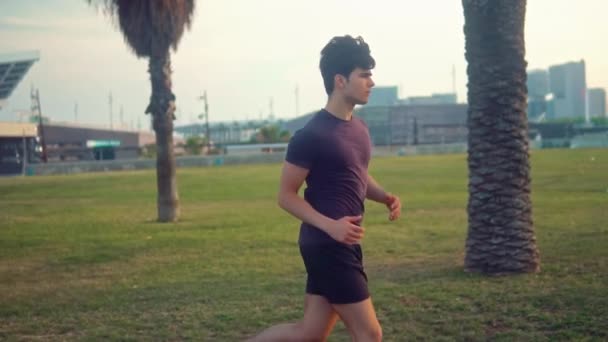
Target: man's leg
360,320
319,319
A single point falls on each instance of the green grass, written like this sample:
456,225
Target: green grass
81,257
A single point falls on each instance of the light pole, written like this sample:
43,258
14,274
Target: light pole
206,114
36,107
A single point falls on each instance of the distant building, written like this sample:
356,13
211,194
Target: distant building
597,102
378,122
21,143
538,89
434,99
66,142
538,83
227,132
416,124
408,124
567,84
383,96
18,145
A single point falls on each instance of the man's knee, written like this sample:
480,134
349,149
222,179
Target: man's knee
313,336
312,333
372,333
376,333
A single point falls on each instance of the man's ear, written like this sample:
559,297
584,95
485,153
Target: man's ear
339,81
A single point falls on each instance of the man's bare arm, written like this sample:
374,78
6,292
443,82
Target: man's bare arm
377,194
375,191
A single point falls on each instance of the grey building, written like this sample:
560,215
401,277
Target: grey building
417,124
227,132
408,124
434,99
69,143
538,83
568,86
22,143
383,96
18,144
597,102
538,88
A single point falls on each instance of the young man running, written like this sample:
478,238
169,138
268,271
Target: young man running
331,153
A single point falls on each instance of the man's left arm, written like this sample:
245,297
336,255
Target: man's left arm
377,194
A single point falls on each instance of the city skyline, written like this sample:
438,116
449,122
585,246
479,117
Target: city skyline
246,66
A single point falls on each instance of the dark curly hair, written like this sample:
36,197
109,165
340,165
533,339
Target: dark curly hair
341,56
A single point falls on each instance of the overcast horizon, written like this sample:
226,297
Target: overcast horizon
243,61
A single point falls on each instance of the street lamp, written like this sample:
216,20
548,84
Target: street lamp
206,115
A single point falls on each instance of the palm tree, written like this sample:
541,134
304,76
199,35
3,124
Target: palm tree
151,28
501,236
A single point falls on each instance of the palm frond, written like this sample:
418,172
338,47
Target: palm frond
150,26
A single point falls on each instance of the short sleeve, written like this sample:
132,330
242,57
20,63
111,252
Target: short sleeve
301,149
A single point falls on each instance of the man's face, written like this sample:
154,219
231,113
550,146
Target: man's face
358,86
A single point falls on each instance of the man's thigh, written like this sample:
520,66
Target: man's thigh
319,315
359,318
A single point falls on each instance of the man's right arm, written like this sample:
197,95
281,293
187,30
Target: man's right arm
343,230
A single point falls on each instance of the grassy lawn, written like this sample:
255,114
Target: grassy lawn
81,257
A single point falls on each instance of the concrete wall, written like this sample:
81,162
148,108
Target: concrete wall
412,150
219,160
140,164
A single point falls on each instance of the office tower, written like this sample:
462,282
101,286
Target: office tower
568,86
538,88
597,102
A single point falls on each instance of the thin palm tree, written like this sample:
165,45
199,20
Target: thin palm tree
501,236
151,28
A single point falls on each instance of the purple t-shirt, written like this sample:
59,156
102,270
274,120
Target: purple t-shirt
336,153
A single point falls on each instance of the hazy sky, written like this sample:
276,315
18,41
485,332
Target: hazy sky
246,52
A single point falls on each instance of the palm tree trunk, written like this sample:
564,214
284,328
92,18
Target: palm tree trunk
501,236
162,108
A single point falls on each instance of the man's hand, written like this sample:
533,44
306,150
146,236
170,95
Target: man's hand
393,203
347,230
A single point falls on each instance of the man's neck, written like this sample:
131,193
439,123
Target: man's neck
339,108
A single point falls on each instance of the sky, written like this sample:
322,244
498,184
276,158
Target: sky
250,56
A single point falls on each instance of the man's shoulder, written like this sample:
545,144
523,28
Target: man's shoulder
313,125
316,117
359,120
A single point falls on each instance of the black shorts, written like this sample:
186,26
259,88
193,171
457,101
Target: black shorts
335,271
